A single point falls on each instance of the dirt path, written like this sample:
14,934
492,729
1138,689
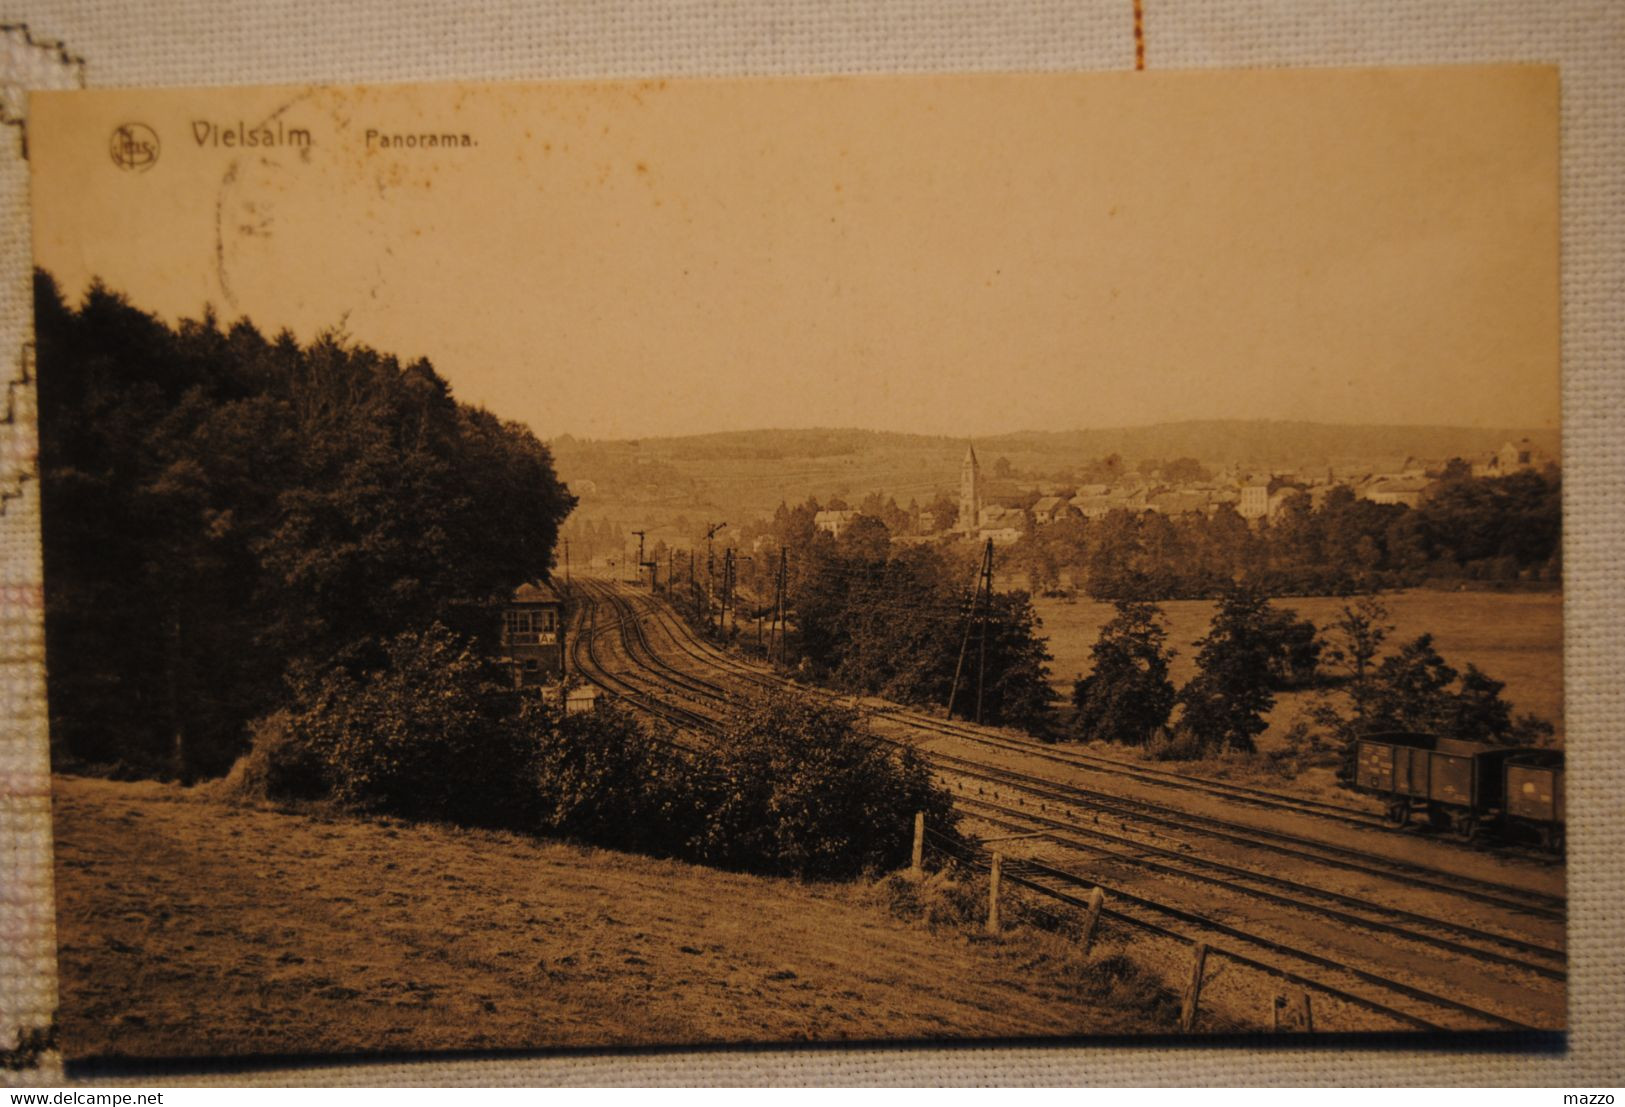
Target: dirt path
190,927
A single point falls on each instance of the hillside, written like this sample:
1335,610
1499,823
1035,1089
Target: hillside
189,926
1215,441
676,483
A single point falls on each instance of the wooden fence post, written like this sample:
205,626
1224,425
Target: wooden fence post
1193,990
917,869
1097,898
993,894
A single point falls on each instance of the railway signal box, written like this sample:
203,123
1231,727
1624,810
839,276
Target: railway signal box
533,635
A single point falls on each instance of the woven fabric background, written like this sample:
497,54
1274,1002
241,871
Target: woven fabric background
108,43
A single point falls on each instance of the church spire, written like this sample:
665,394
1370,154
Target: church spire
970,492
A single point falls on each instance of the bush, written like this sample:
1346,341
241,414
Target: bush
434,734
601,777
955,898
1118,981
801,790
1178,744
793,786
1304,747
277,766
949,899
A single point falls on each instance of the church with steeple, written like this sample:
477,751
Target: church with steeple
970,493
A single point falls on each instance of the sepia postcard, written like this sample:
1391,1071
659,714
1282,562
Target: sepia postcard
917,559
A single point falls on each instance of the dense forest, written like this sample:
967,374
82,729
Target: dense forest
224,511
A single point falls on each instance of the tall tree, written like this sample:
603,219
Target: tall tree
1416,689
1354,642
1127,697
1225,704
222,510
1185,470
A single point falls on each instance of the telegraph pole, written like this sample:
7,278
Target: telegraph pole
693,586
567,564
778,605
977,616
640,561
710,569
737,559
778,591
728,587
987,604
710,583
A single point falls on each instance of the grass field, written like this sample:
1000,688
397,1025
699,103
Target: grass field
1514,637
191,927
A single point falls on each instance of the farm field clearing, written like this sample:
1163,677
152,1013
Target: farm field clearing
189,926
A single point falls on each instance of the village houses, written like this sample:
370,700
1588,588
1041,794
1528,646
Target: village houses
834,523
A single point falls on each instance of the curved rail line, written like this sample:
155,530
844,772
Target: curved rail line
1493,893
1303,805
686,683
1242,793
584,659
1507,897
1532,951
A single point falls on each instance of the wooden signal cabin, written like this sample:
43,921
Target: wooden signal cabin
533,635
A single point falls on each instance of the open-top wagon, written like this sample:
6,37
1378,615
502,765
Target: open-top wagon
1473,789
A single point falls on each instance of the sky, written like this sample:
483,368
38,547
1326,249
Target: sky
946,255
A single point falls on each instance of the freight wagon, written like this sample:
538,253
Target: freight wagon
1534,797
1471,788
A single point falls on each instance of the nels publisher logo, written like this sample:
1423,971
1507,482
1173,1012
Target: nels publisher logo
134,147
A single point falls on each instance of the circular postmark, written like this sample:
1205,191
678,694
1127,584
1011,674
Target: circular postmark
134,147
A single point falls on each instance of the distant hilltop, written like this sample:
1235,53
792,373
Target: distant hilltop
1252,444
677,488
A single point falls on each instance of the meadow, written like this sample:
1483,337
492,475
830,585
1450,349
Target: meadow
191,926
1514,637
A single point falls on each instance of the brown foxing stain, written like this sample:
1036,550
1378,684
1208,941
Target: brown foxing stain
1139,34
227,182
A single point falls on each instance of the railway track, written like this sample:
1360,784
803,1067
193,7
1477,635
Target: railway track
1403,1003
1440,934
1293,846
1468,945
1350,816
1297,847
585,660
